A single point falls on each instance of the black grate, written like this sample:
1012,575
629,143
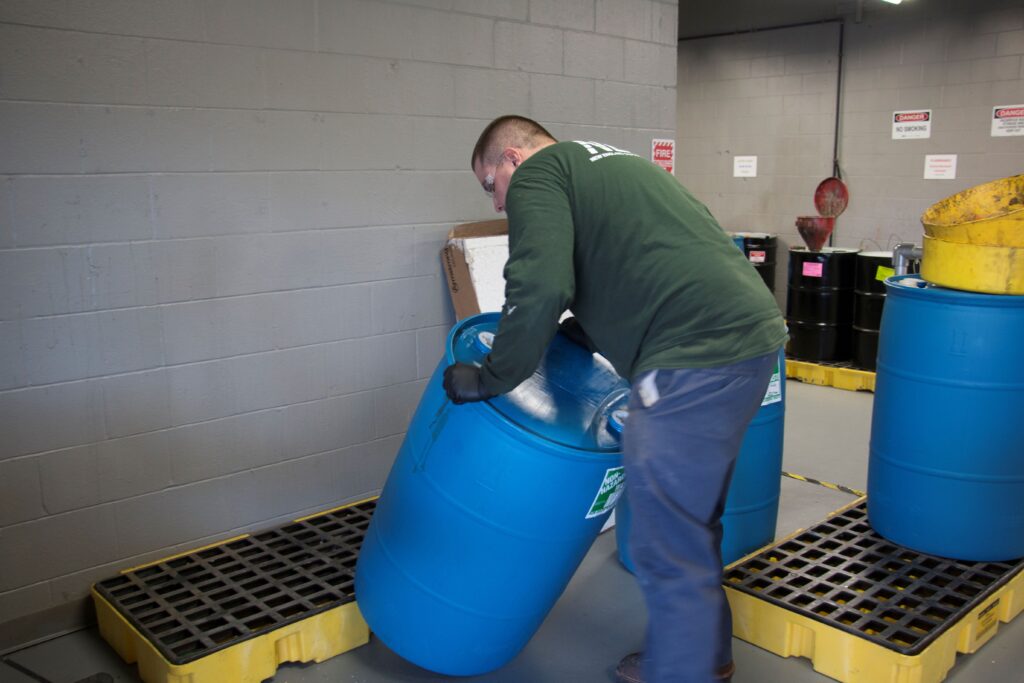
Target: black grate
837,364
193,605
840,572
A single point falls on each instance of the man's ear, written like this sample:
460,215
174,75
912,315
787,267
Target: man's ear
514,155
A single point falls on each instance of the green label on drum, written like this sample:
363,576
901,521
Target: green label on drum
883,273
611,490
774,393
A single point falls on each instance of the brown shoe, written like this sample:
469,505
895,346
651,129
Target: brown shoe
628,670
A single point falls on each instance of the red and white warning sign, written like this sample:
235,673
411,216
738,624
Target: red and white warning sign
940,167
663,153
907,125
758,256
1008,120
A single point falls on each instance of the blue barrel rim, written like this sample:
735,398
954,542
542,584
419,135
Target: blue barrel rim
933,292
554,448
495,415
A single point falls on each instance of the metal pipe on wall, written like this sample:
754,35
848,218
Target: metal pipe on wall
903,254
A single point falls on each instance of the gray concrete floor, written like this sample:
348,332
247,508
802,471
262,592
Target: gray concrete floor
601,616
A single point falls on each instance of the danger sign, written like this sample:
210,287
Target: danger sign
907,125
1008,120
663,153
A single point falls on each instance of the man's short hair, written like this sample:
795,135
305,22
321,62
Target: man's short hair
507,131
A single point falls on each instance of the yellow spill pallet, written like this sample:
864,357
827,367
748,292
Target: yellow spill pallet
837,376
237,610
864,610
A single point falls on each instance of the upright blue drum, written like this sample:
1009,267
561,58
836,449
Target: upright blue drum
490,507
752,504
946,471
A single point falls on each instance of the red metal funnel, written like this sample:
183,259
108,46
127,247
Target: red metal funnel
815,230
831,197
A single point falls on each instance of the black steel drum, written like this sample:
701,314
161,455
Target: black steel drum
760,248
869,299
819,303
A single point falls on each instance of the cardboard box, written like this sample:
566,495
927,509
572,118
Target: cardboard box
474,258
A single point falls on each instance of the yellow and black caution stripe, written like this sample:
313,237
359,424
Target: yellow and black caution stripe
826,484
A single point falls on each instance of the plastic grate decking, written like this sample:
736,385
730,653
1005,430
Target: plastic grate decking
841,375
864,609
193,605
834,364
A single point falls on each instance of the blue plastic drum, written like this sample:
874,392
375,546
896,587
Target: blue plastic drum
490,507
752,504
946,472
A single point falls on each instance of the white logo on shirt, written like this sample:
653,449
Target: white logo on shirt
599,150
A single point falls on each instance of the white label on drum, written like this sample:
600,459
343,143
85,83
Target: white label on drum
774,393
608,495
757,257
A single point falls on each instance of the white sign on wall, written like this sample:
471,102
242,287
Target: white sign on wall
663,153
914,124
940,167
744,167
1007,120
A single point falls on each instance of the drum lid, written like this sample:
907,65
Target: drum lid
574,398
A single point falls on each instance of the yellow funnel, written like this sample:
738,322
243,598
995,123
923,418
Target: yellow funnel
991,214
973,267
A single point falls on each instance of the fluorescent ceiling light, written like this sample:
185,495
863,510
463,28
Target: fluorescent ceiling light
893,2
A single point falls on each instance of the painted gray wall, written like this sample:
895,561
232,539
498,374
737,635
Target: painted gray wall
220,292
773,94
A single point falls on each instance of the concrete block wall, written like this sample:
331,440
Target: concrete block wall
773,94
220,291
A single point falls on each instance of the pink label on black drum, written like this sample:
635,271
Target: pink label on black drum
757,257
812,269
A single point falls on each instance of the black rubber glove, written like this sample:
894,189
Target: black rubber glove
572,329
462,384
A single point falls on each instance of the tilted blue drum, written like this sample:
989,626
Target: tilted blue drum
946,470
752,504
490,507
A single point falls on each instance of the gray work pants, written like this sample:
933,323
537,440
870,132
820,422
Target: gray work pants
679,451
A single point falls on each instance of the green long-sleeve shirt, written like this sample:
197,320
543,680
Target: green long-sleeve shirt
649,274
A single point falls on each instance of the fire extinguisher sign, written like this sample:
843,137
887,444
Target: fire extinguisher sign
663,153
